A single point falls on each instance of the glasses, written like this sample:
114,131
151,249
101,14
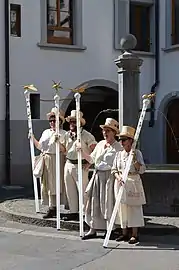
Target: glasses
123,139
72,122
52,120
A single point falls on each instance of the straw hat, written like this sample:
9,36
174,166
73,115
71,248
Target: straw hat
52,113
73,117
111,123
128,132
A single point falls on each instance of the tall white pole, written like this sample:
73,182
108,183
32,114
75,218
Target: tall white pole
80,176
120,101
56,99
32,153
146,102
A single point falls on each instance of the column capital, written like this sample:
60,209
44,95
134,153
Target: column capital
128,61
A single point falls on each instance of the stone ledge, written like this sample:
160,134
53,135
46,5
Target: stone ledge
8,209
50,46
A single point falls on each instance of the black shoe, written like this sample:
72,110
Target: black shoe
50,213
89,236
63,216
72,216
124,238
133,240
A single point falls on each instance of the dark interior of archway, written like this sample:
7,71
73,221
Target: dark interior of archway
93,101
172,116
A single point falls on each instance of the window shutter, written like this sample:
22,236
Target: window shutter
168,21
121,21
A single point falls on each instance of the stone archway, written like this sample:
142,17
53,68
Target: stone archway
165,130
95,99
172,143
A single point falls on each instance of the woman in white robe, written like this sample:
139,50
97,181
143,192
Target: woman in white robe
130,214
100,190
46,145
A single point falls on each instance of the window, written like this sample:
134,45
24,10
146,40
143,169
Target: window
140,25
174,22
60,21
61,24
35,105
15,20
135,17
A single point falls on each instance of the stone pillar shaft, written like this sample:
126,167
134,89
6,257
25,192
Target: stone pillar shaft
128,88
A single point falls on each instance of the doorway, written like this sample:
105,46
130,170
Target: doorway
93,101
172,144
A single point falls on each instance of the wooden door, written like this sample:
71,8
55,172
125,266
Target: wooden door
172,142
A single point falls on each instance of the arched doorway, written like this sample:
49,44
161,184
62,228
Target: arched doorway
173,118
94,100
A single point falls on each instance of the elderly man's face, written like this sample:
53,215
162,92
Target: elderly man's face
73,125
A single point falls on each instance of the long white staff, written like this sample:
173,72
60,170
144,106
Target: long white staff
80,176
27,89
146,101
57,87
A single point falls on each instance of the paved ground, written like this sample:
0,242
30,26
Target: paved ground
27,247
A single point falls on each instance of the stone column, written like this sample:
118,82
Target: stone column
128,86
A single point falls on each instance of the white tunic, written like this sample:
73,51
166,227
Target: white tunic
122,158
103,157
69,142
47,140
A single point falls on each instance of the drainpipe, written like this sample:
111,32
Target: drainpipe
157,54
7,94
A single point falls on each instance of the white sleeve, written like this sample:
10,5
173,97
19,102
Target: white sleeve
94,153
43,139
114,168
139,158
90,139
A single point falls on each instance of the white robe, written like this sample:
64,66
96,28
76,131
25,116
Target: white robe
129,215
48,184
100,190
